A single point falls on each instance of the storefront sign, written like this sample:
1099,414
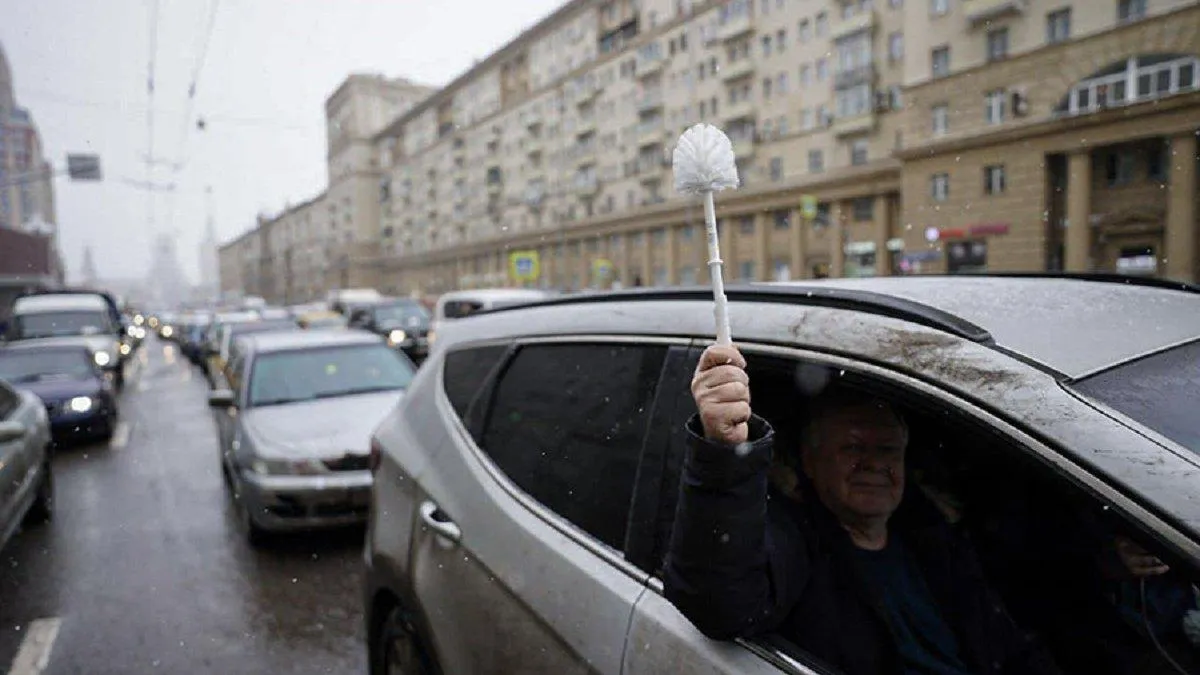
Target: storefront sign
988,229
524,265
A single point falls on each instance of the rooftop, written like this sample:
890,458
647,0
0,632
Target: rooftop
310,339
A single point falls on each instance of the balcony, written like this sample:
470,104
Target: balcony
585,186
647,66
584,154
737,70
979,12
845,79
737,111
861,21
650,133
858,124
534,146
735,27
651,100
587,93
585,125
743,146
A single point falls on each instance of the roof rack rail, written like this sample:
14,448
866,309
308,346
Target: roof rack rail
805,295
1100,277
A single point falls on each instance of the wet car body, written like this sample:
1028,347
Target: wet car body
80,400
26,468
301,464
88,316
459,547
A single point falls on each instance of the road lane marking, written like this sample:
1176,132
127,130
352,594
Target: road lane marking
169,354
120,436
34,655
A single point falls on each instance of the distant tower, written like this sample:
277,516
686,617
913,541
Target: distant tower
89,267
209,261
165,280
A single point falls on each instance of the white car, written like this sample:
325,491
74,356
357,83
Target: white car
26,474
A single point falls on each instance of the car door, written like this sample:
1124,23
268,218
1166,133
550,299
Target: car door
227,418
519,560
21,458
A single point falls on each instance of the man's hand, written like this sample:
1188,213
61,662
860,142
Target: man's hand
722,392
1138,561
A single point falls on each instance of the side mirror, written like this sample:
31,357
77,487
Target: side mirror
11,431
220,398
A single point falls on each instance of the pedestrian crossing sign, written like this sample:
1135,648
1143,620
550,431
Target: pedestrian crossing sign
524,265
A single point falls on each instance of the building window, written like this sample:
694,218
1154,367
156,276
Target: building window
766,45
939,7
966,256
822,24
1118,168
746,270
746,225
939,60
941,119
781,84
1143,78
816,161
1131,10
863,209
822,69
858,152
939,187
997,44
687,276
1058,26
854,101
993,106
804,31
782,219
895,47
780,40
776,168
766,87
1156,164
805,75
895,4
993,179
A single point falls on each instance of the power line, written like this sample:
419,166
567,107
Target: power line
47,96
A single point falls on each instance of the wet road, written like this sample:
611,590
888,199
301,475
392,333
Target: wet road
143,569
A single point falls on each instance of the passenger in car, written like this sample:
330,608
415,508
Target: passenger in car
836,564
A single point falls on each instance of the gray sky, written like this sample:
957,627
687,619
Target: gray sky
81,67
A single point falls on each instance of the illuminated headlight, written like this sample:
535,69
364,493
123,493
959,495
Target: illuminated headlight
168,331
139,333
139,319
102,359
125,349
132,331
80,404
396,337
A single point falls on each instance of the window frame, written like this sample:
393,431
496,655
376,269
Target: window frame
480,408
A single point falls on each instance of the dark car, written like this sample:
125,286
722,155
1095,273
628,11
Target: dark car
404,323
79,399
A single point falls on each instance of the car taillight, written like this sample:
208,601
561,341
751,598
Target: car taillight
375,455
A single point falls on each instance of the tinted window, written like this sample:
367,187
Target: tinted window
566,425
326,372
59,324
456,309
21,365
1160,391
465,372
407,314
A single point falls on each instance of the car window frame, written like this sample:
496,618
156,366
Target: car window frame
480,408
1021,439
14,398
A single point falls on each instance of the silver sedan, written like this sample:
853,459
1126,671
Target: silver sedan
296,424
26,474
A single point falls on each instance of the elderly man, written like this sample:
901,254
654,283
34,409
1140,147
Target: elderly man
835,566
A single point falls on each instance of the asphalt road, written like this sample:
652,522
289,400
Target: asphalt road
143,569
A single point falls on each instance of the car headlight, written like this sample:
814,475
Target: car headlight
287,467
81,404
396,337
140,334
139,319
125,349
102,359
131,331
168,331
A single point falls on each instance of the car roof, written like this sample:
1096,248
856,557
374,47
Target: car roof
1071,326
495,293
302,339
58,302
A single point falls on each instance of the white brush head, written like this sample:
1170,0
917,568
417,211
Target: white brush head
704,161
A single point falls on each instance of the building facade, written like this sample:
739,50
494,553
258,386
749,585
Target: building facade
331,240
26,177
873,137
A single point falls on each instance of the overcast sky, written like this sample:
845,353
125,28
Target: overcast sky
81,68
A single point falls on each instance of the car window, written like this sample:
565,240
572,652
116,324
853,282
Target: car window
566,424
1161,391
326,372
464,373
457,309
31,365
60,324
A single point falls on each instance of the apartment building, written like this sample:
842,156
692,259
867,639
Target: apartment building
873,137
332,239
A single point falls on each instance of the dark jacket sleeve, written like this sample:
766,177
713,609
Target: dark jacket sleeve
735,562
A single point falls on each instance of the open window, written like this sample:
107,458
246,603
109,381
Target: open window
1062,559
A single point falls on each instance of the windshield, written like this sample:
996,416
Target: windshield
1160,391
61,324
406,314
326,372
28,365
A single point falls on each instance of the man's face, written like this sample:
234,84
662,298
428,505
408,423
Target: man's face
857,465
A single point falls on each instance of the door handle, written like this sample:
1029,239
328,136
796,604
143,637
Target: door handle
436,520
